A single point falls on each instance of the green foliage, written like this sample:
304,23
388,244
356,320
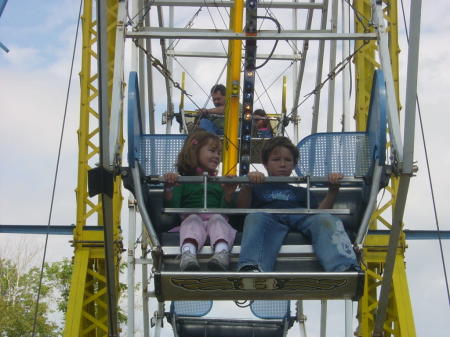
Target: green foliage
58,275
18,291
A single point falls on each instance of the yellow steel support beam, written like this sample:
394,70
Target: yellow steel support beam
87,305
402,300
365,63
183,84
87,147
399,320
365,60
231,128
77,290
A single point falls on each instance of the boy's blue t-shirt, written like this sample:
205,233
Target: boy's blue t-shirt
280,195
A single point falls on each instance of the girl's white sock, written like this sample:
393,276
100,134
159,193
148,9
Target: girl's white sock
190,247
221,245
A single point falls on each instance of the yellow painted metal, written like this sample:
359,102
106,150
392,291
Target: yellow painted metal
399,321
88,147
231,127
402,300
87,305
73,319
183,83
365,63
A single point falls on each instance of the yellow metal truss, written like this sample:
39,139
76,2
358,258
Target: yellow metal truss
230,144
87,306
399,320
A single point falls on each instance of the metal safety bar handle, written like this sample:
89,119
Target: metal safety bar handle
245,180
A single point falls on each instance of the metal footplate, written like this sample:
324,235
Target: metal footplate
201,326
258,286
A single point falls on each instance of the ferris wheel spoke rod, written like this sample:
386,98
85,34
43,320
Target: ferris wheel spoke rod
386,284
106,197
299,79
169,113
315,114
385,61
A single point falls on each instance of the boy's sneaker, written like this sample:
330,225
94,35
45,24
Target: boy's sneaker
220,261
353,269
189,262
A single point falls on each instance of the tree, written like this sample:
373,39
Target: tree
18,290
18,293
57,276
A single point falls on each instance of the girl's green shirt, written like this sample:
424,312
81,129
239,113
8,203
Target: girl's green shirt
191,196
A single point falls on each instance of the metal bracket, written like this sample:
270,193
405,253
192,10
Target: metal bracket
100,180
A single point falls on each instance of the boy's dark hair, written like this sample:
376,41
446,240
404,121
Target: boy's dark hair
272,143
219,88
187,162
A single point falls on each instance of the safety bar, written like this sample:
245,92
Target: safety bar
208,179
198,114
253,210
245,180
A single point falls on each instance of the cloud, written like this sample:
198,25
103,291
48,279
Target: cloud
28,57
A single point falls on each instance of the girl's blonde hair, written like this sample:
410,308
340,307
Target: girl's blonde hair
187,162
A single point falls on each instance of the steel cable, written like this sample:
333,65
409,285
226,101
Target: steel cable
36,310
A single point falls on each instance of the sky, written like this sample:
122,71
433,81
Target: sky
33,83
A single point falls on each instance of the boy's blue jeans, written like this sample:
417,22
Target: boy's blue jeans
264,234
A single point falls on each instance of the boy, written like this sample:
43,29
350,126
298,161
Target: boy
264,232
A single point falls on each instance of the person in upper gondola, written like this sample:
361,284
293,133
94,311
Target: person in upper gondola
261,125
264,233
208,122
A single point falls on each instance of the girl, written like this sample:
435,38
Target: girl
201,153
262,127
